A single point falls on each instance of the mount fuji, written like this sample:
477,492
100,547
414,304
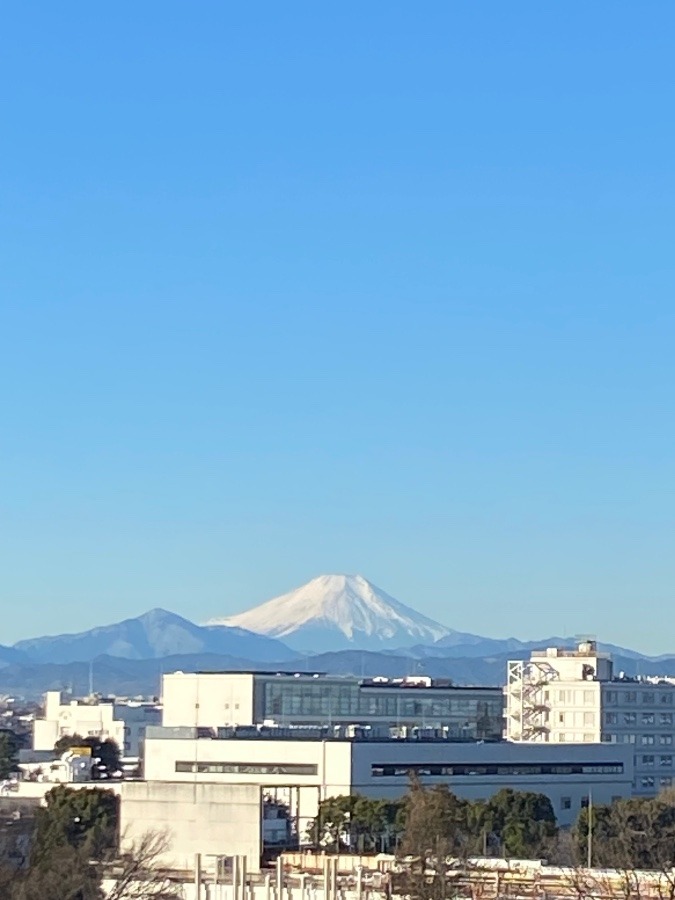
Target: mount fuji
338,612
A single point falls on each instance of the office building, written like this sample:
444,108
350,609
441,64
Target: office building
187,769
220,699
564,696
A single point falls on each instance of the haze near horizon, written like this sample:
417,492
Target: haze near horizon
378,290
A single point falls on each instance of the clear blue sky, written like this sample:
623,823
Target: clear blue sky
386,288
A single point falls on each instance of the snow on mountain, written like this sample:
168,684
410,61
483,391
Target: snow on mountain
334,612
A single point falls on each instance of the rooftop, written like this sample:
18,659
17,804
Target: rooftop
310,733
419,682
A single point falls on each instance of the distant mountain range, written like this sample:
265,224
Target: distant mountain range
337,624
153,635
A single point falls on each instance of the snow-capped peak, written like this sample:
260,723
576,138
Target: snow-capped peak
338,611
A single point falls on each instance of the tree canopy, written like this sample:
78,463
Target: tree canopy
353,822
9,753
432,822
80,819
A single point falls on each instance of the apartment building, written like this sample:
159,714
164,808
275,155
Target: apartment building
122,721
573,696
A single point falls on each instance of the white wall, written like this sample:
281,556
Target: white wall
209,701
123,723
218,819
85,719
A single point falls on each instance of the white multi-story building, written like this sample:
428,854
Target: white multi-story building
220,699
573,696
122,721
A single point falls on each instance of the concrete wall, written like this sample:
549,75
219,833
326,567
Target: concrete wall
216,819
325,764
211,701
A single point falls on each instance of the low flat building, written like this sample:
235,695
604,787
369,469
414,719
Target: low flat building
104,718
310,767
219,699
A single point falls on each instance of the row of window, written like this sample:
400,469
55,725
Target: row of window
566,802
576,718
664,761
579,698
647,698
239,768
393,771
475,716
649,781
630,718
646,740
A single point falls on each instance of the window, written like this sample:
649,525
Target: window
647,781
648,739
242,768
610,697
629,718
666,698
387,770
648,718
584,802
589,718
665,740
665,781
611,718
665,719
565,803
666,761
648,698
589,697
648,762
628,738
630,696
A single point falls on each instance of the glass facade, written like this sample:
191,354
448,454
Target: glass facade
467,713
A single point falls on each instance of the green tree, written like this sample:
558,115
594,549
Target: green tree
84,820
355,823
435,822
9,754
66,872
633,833
518,824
